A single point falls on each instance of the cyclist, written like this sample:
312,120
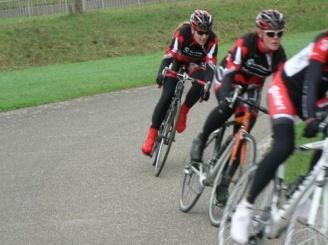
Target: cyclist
253,58
194,45
294,91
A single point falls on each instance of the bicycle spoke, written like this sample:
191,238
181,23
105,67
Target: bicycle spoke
167,135
190,191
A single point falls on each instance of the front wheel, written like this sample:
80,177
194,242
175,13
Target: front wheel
235,197
260,210
299,231
228,176
165,139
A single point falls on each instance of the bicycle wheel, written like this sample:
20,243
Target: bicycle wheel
235,197
248,150
300,232
165,139
191,189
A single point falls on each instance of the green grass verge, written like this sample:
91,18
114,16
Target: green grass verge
138,30
35,86
299,162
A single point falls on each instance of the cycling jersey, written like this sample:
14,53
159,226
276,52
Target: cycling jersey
185,49
249,62
199,60
305,74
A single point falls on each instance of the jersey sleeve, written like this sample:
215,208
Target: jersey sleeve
211,56
174,48
237,55
320,50
317,60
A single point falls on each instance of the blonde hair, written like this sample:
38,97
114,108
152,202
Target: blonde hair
181,25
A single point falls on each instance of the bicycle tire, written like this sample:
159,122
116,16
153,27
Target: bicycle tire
299,232
215,210
191,190
236,196
191,180
260,210
166,138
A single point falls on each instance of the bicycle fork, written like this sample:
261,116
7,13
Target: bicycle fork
280,217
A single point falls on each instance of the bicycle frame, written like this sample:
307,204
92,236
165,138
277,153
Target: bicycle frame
316,179
245,128
205,178
167,129
231,150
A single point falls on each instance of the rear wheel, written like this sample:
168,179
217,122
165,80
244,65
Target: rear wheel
227,184
192,187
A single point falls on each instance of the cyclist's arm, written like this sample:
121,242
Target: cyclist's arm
211,60
310,88
166,61
313,77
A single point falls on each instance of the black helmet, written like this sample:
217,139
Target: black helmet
201,19
270,20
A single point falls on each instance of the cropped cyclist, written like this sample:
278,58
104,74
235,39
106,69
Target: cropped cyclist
254,57
295,90
194,45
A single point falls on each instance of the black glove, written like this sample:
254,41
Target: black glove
311,128
161,77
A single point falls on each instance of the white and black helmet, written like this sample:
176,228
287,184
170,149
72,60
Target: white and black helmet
270,20
201,19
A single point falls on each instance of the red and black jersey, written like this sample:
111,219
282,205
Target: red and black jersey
306,74
250,63
185,49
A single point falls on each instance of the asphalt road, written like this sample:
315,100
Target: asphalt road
73,173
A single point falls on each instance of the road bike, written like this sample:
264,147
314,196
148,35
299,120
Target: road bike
228,146
302,218
166,135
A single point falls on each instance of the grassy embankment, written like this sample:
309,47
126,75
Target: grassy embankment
53,58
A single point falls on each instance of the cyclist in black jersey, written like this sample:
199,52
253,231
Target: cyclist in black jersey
299,89
253,58
194,45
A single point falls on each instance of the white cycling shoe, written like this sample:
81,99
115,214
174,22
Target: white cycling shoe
240,222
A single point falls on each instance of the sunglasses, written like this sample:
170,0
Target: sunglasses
274,33
201,33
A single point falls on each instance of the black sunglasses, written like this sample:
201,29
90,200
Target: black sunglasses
274,33
201,33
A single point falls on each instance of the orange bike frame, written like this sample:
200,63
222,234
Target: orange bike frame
239,146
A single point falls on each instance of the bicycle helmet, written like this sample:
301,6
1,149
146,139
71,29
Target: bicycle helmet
201,19
270,20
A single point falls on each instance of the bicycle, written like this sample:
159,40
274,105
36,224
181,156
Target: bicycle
239,145
272,210
166,135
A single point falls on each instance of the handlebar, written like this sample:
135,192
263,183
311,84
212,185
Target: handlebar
236,97
252,104
184,76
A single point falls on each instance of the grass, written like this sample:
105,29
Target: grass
299,162
139,30
41,85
